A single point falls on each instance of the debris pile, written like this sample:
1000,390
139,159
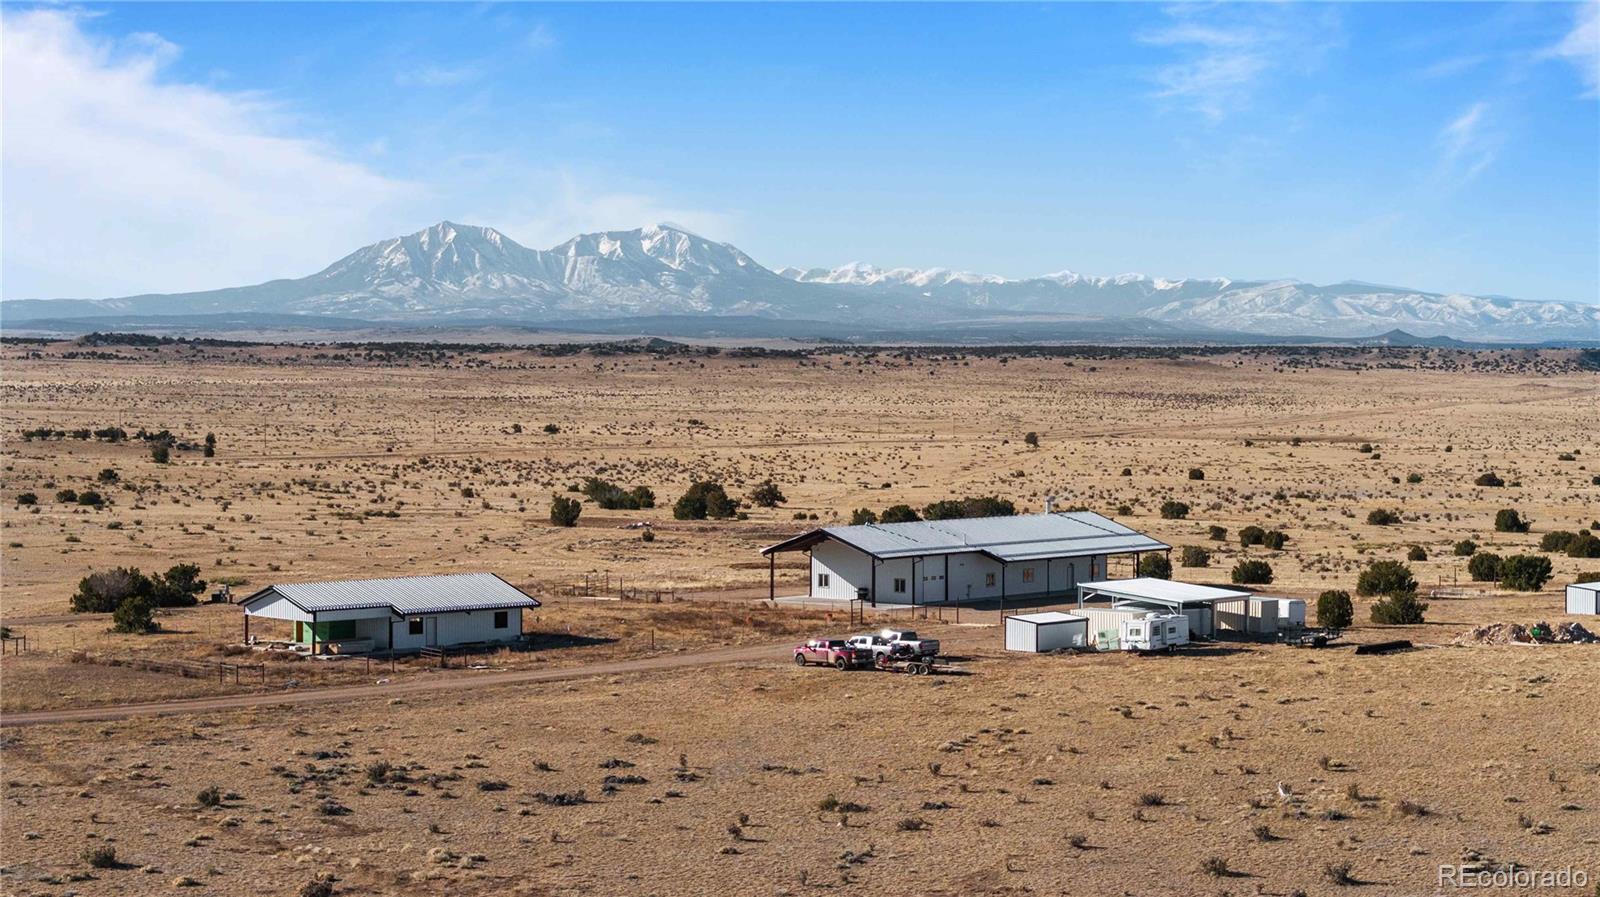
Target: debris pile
1516,633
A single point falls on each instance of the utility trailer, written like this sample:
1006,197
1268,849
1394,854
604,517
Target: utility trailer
905,660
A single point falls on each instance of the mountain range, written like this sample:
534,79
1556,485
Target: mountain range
464,274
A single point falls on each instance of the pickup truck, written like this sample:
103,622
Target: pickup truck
884,640
832,652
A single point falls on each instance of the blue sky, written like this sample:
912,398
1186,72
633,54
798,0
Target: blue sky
153,147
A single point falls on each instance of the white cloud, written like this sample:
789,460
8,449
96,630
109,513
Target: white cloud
118,180
543,207
1224,53
1581,47
1470,143
438,76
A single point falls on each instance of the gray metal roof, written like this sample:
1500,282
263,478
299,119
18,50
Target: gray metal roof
1017,538
405,595
1159,591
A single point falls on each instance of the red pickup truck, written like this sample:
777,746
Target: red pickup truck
829,651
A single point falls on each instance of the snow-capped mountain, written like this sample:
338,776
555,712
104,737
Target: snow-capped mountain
456,272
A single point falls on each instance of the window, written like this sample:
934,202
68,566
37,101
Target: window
502,619
822,580
899,585
414,626
1027,574
988,580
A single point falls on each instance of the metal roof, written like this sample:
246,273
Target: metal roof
1048,617
1159,591
404,595
1016,538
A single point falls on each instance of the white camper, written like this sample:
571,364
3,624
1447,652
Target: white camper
1155,632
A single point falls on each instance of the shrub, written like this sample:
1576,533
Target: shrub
1385,578
161,452
1252,535
1488,479
211,443
1172,509
862,516
27,498
1382,517
1031,439
1274,539
1417,553
1216,867
107,475
180,586
209,797
1335,610
1194,556
704,499
1413,478
898,514
102,592
612,497
102,857
648,535
1525,572
1127,472
1365,448
1401,609
1509,521
1556,541
979,506
1217,533
321,886
1196,473
1251,573
1465,548
67,496
135,615
1156,566
1485,567
767,495
1584,545
564,511
552,429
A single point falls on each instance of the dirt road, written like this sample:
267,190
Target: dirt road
458,681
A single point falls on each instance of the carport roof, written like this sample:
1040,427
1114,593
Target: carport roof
403,595
1006,539
1159,591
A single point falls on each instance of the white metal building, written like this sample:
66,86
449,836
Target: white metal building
1050,631
969,559
406,613
1196,602
1583,598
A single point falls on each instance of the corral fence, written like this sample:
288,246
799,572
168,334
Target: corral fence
222,671
607,585
13,644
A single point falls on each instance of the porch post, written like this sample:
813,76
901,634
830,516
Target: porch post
772,577
872,592
313,632
1003,569
247,628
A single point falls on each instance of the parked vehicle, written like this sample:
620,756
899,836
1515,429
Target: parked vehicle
877,644
1155,632
832,652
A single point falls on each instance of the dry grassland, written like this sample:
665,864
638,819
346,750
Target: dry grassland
1089,775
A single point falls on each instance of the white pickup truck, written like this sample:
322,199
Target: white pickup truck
885,640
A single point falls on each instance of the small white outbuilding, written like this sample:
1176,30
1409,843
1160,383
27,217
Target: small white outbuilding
1050,631
1583,598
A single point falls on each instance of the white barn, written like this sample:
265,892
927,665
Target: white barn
405,613
956,561
1583,598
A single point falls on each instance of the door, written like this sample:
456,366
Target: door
430,632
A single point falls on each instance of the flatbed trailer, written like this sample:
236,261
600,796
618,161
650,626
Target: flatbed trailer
916,665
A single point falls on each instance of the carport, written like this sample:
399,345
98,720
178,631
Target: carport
1196,602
